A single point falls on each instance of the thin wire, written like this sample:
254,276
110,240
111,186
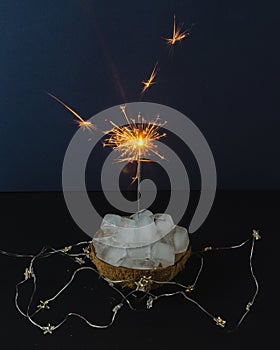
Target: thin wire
14,255
124,297
70,281
197,304
183,292
250,303
200,270
84,319
48,251
182,285
30,272
51,328
206,249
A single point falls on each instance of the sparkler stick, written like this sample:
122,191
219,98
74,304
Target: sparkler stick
138,175
138,171
135,142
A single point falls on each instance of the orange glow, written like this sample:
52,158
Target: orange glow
135,141
178,35
140,142
150,81
84,124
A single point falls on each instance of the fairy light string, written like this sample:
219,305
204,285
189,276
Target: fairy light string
143,286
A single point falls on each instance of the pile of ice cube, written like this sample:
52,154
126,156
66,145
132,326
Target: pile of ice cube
142,241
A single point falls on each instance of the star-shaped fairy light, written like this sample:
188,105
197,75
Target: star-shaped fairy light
256,235
220,322
143,284
48,329
43,305
28,273
84,124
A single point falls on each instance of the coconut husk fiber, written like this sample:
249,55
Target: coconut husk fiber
130,276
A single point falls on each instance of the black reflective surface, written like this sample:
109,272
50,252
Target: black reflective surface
32,220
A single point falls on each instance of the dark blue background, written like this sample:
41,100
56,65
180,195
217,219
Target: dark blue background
222,77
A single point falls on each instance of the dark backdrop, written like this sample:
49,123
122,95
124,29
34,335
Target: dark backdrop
223,77
86,52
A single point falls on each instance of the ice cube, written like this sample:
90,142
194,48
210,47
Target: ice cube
164,223
140,264
168,239
126,222
111,255
180,239
102,235
141,214
125,233
145,230
139,252
163,254
139,229
143,220
110,220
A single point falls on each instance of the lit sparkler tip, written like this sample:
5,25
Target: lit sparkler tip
178,35
150,81
84,124
136,141
122,108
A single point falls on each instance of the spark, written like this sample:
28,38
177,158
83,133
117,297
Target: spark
84,124
178,35
150,81
135,141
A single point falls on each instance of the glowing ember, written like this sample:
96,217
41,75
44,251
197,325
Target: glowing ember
150,81
84,124
178,35
135,141
135,137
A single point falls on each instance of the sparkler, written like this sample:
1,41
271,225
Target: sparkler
178,35
135,142
84,124
150,81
